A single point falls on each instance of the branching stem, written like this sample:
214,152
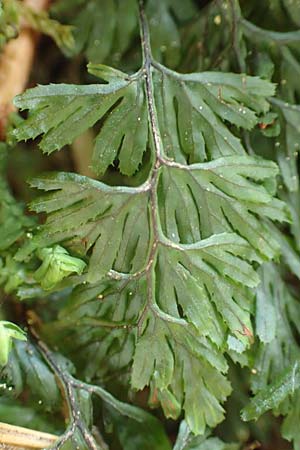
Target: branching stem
67,386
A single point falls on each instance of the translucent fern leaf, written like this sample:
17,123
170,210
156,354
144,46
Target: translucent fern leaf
175,351
63,112
172,259
192,132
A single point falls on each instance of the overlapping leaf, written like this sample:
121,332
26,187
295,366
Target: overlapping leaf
276,309
276,381
63,112
100,29
284,55
191,110
164,18
273,396
287,145
13,222
104,32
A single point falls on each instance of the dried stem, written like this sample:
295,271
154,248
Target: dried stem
13,436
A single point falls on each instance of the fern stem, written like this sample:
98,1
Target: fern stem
147,63
157,143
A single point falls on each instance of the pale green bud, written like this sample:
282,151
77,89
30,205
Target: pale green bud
57,264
